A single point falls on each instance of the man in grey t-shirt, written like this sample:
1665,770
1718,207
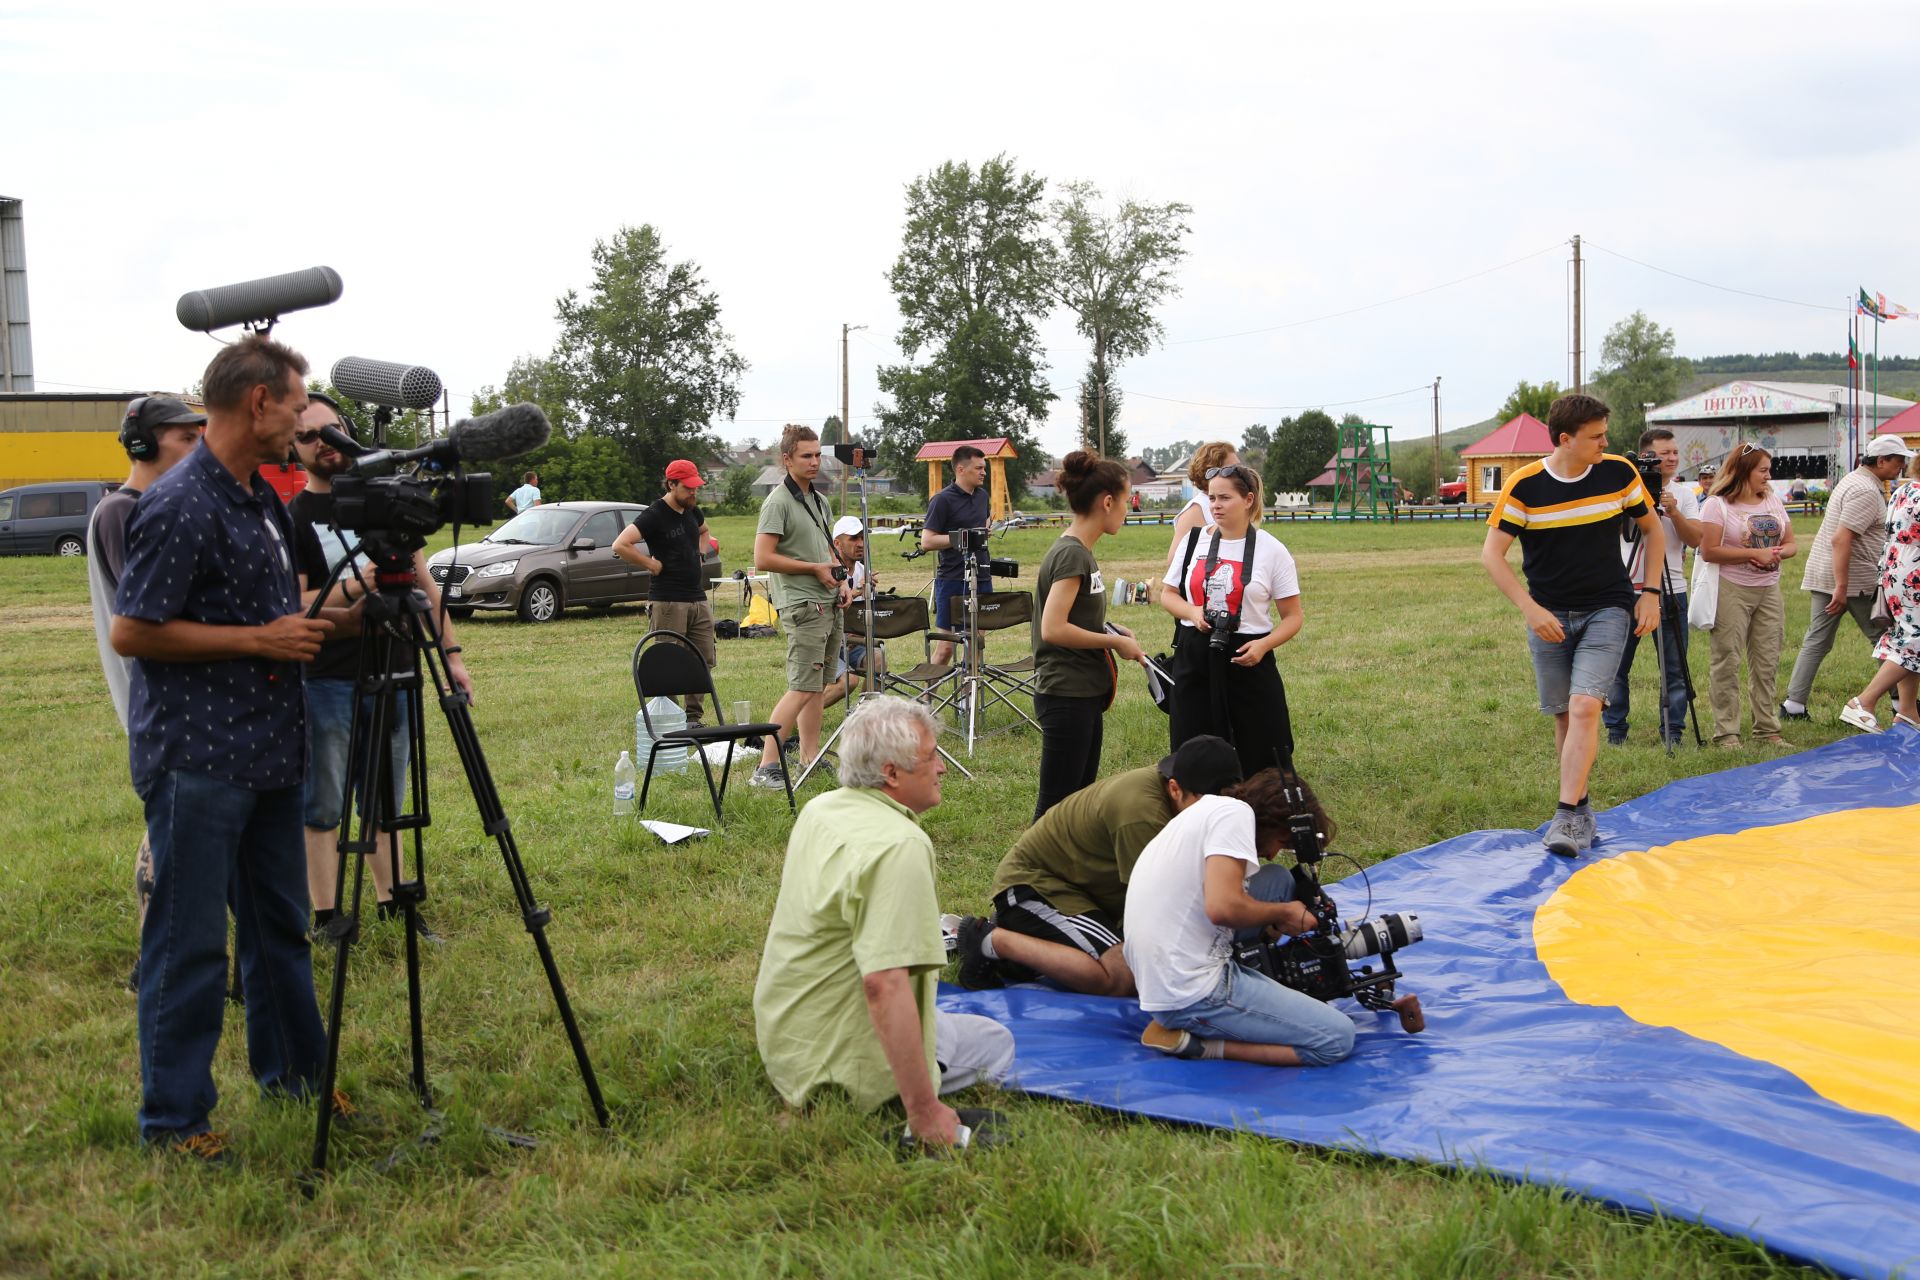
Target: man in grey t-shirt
1843,568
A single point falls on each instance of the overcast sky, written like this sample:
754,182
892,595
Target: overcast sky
456,163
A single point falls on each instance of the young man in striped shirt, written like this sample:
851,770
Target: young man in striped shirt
1578,600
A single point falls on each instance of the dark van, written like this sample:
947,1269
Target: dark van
49,519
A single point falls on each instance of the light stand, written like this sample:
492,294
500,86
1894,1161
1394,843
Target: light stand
975,683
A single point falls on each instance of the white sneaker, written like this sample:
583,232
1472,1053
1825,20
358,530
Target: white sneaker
1858,716
767,775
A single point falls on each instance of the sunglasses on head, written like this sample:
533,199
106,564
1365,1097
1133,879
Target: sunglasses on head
1214,473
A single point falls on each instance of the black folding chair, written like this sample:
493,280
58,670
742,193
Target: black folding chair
894,618
675,669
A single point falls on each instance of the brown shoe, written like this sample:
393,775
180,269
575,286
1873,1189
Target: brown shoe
1772,740
1179,1044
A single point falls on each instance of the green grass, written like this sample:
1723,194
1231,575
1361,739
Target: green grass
1413,708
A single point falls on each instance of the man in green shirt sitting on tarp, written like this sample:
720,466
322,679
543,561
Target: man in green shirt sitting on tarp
846,990
1061,892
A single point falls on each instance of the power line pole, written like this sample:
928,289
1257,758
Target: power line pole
1579,320
846,423
1436,437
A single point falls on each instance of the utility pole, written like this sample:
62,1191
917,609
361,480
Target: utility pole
846,423
1579,325
1436,437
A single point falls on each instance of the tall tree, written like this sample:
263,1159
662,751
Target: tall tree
971,282
831,432
643,359
1300,449
1637,368
532,380
1112,270
1526,397
1096,397
1255,443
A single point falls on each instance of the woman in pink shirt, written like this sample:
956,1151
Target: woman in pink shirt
1745,530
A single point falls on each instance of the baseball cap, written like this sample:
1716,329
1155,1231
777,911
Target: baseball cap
165,411
1203,766
684,472
1888,447
848,527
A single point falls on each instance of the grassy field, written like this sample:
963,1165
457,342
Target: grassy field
1414,711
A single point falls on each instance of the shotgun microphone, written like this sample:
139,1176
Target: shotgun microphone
501,434
257,301
383,382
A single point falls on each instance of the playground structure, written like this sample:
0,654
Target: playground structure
1360,473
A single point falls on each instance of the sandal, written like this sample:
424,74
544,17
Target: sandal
1859,717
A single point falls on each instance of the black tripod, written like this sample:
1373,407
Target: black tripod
400,650
1669,732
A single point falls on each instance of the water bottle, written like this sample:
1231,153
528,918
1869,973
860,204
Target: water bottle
623,785
668,719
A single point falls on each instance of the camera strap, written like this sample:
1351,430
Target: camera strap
1213,562
801,498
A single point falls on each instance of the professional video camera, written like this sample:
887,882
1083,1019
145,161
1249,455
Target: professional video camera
1318,963
434,489
971,541
1648,465
854,454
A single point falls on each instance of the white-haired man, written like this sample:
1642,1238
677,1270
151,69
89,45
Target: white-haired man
847,981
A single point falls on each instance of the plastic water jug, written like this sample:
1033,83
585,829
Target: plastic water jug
668,719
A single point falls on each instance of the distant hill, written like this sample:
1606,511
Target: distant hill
1899,376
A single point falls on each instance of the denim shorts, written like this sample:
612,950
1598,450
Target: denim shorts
329,717
1584,662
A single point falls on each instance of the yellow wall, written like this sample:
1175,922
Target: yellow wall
27,457
1508,464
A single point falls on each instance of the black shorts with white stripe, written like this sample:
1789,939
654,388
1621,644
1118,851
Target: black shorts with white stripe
1024,909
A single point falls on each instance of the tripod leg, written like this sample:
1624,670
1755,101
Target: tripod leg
493,817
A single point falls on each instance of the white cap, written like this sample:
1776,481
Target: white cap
1887,447
848,527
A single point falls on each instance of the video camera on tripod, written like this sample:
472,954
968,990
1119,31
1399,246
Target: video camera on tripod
1647,463
1318,964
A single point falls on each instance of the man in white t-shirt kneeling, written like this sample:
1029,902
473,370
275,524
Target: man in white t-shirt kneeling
1198,885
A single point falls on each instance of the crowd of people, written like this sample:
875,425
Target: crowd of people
228,627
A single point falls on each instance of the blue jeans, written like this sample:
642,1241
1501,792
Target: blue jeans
1673,633
329,719
217,845
1254,1009
950,598
1585,662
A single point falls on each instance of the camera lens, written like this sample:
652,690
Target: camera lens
1381,935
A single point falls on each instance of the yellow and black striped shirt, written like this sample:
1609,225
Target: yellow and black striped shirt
1569,531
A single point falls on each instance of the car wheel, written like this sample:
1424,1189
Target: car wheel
460,612
540,602
69,546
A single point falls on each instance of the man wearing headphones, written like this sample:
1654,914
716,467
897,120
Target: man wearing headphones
156,432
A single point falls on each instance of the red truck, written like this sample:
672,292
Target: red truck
1454,490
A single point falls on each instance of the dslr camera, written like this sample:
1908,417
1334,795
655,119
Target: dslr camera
1322,964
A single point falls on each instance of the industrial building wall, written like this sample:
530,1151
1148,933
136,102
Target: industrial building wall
61,437
16,336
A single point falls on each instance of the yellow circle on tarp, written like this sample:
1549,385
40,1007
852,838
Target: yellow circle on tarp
1796,944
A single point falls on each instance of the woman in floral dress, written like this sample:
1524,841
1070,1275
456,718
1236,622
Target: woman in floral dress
1899,649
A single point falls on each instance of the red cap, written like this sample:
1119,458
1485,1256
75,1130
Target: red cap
684,472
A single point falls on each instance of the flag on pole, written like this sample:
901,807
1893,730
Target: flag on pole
1853,350
1868,307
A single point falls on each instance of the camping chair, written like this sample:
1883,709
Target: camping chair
998,611
894,618
675,669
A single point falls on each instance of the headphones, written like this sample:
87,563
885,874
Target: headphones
136,437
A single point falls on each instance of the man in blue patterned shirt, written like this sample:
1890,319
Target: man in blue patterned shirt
209,608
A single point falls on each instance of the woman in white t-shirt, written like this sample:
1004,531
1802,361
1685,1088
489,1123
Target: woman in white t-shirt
1229,684
1744,528
1208,457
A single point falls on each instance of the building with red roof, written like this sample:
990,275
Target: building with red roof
1491,460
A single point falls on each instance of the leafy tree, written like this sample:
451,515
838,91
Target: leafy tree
643,360
1528,398
1094,399
1111,270
736,489
587,469
1255,443
832,432
1413,467
971,282
1300,449
1637,368
409,427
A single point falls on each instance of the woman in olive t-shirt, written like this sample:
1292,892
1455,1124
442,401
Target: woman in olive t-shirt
1073,652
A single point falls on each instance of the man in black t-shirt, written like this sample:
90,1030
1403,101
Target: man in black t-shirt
961,505
675,532
320,545
1579,602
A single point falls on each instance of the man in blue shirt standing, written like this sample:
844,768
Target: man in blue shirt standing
527,496
961,505
209,608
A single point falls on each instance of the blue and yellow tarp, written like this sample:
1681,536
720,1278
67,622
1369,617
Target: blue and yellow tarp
1715,1015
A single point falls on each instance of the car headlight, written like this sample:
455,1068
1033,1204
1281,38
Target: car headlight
498,569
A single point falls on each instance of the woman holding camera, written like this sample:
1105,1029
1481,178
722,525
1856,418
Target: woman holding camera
1236,594
1073,651
1745,530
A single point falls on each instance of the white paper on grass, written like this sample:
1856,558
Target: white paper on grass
673,832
